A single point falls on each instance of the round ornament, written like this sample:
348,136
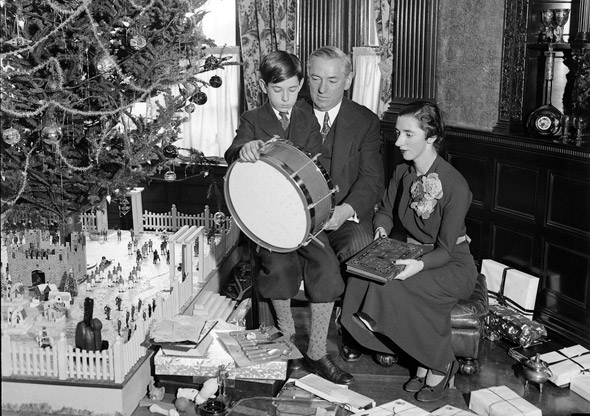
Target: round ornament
137,42
189,89
51,134
190,107
170,151
170,176
199,98
219,218
105,63
184,23
11,136
135,168
215,81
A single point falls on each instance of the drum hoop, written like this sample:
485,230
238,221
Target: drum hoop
305,195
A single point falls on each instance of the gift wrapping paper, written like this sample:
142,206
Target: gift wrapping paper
566,363
501,401
506,323
396,407
519,291
580,384
449,410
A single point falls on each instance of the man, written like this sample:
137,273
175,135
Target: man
351,154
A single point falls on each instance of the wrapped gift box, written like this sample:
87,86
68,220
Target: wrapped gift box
580,384
566,363
510,287
503,322
501,401
396,407
449,410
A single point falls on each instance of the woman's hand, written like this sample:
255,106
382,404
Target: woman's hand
250,152
379,233
412,267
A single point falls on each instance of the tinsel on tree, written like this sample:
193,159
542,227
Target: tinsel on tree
71,72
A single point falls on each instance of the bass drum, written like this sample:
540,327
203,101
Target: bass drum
281,201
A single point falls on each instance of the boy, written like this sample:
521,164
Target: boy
281,273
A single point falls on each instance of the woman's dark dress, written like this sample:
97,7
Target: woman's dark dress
416,313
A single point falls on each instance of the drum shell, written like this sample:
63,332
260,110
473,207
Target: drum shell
306,180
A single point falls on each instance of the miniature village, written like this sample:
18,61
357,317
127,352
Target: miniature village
46,278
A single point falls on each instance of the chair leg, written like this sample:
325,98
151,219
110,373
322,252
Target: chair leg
468,366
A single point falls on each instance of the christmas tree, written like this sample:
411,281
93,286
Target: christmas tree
72,72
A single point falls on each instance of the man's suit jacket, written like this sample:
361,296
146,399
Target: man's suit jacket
262,124
354,161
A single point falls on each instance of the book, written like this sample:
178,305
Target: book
377,260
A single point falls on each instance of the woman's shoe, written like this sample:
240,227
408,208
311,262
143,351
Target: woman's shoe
414,384
385,360
434,393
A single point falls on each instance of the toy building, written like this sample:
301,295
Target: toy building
42,259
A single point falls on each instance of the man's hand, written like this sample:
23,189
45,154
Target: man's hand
341,214
380,233
250,152
412,267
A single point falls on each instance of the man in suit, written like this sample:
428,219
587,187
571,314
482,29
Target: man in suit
316,263
351,154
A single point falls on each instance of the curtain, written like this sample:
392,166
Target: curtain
366,89
265,26
385,20
211,127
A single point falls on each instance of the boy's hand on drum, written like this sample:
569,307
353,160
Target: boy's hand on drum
340,215
250,152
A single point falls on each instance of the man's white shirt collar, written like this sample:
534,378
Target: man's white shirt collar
331,113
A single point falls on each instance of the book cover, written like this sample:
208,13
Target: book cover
377,260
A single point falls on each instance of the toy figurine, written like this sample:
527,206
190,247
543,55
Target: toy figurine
107,311
88,332
139,303
118,301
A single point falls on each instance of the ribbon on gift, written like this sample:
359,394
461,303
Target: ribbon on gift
490,269
562,368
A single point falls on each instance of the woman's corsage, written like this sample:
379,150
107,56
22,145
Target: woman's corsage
425,191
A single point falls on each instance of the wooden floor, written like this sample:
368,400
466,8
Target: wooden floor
385,384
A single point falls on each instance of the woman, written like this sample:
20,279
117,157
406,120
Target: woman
430,199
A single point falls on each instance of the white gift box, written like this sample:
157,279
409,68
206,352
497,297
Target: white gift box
396,407
449,410
501,401
566,363
516,288
580,384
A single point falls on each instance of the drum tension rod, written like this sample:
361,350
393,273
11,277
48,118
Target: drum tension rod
333,191
312,160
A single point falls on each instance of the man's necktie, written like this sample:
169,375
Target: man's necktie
284,120
325,127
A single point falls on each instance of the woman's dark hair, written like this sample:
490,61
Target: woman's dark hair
278,66
428,114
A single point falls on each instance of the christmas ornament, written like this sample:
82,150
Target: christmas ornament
105,63
170,151
199,98
170,176
124,206
51,133
135,168
108,198
137,42
219,218
11,136
184,23
215,81
189,89
189,108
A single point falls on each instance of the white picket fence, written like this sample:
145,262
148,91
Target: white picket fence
64,362
173,220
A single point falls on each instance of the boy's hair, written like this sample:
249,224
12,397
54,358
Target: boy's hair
278,66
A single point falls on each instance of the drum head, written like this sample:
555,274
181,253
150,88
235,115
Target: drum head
268,205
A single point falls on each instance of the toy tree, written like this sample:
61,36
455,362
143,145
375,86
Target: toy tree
72,73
